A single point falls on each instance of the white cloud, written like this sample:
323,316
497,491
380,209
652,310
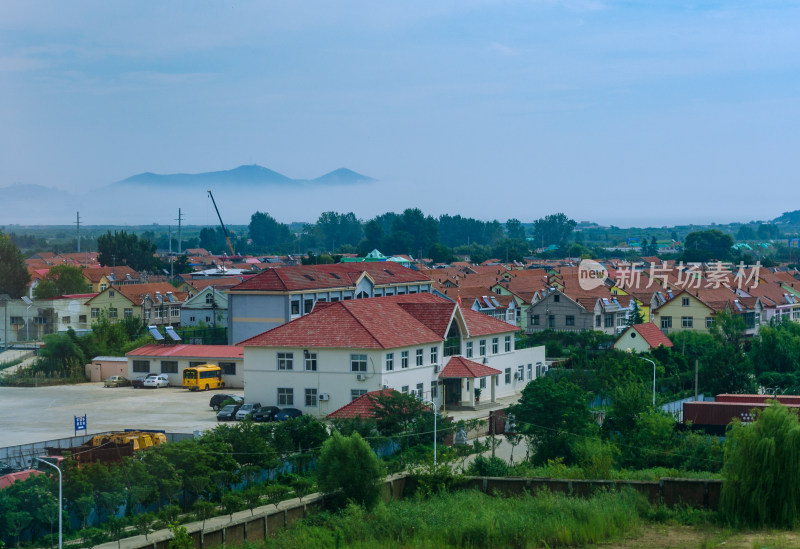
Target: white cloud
502,49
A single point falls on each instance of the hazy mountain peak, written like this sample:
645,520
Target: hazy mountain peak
250,174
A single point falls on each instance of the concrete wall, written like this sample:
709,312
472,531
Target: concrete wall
252,313
101,370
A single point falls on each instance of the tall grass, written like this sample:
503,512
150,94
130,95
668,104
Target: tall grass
557,469
472,519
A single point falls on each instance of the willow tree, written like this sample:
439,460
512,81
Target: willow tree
762,469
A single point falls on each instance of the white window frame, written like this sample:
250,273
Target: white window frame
285,396
285,360
311,396
358,362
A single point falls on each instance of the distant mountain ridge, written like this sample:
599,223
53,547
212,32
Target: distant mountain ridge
249,175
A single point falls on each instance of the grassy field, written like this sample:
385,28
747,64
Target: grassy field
469,519
674,536
472,519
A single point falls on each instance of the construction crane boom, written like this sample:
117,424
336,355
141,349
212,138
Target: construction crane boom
224,229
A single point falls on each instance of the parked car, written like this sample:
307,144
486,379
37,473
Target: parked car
138,382
156,382
288,413
217,400
116,381
228,413
266,413
247,409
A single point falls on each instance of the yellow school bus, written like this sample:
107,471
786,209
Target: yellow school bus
203,377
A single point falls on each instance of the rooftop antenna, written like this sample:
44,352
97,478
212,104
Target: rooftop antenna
180,217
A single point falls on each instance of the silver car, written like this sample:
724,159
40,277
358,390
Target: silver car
247,409
156,381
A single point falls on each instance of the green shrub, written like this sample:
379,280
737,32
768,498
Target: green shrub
487,467
349,470
594,457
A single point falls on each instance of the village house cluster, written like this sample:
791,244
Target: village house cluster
317,337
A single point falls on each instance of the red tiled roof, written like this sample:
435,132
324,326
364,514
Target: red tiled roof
459,366
363,407
95,274
652,335
135,293
377,323
435,316
309,277
480,324
11,478
189,351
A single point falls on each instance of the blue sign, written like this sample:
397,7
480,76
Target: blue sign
80,423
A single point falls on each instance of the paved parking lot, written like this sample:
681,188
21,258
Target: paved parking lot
33,414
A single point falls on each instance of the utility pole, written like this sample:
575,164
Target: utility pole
696,369
169,229
180,217
78,224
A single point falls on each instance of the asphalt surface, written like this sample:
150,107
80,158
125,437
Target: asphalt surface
34,414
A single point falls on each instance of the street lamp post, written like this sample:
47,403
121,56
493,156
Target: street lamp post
60,502
5,298
435,413
654,378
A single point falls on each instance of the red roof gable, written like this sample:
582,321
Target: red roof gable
309,277
363,407
459,366
189,351
652,335
376,323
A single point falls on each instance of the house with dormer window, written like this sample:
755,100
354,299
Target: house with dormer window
413,343
209,307
277,296
154,303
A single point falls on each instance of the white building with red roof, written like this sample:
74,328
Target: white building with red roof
279,295
170,361
642,338
417,343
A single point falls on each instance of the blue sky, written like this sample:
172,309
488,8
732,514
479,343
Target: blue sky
618,112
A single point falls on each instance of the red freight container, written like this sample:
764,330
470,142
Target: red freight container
783,399
717,413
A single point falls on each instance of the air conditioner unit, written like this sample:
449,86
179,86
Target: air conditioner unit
517,376
324,397
361,377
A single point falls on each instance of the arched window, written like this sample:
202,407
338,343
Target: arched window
452,343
